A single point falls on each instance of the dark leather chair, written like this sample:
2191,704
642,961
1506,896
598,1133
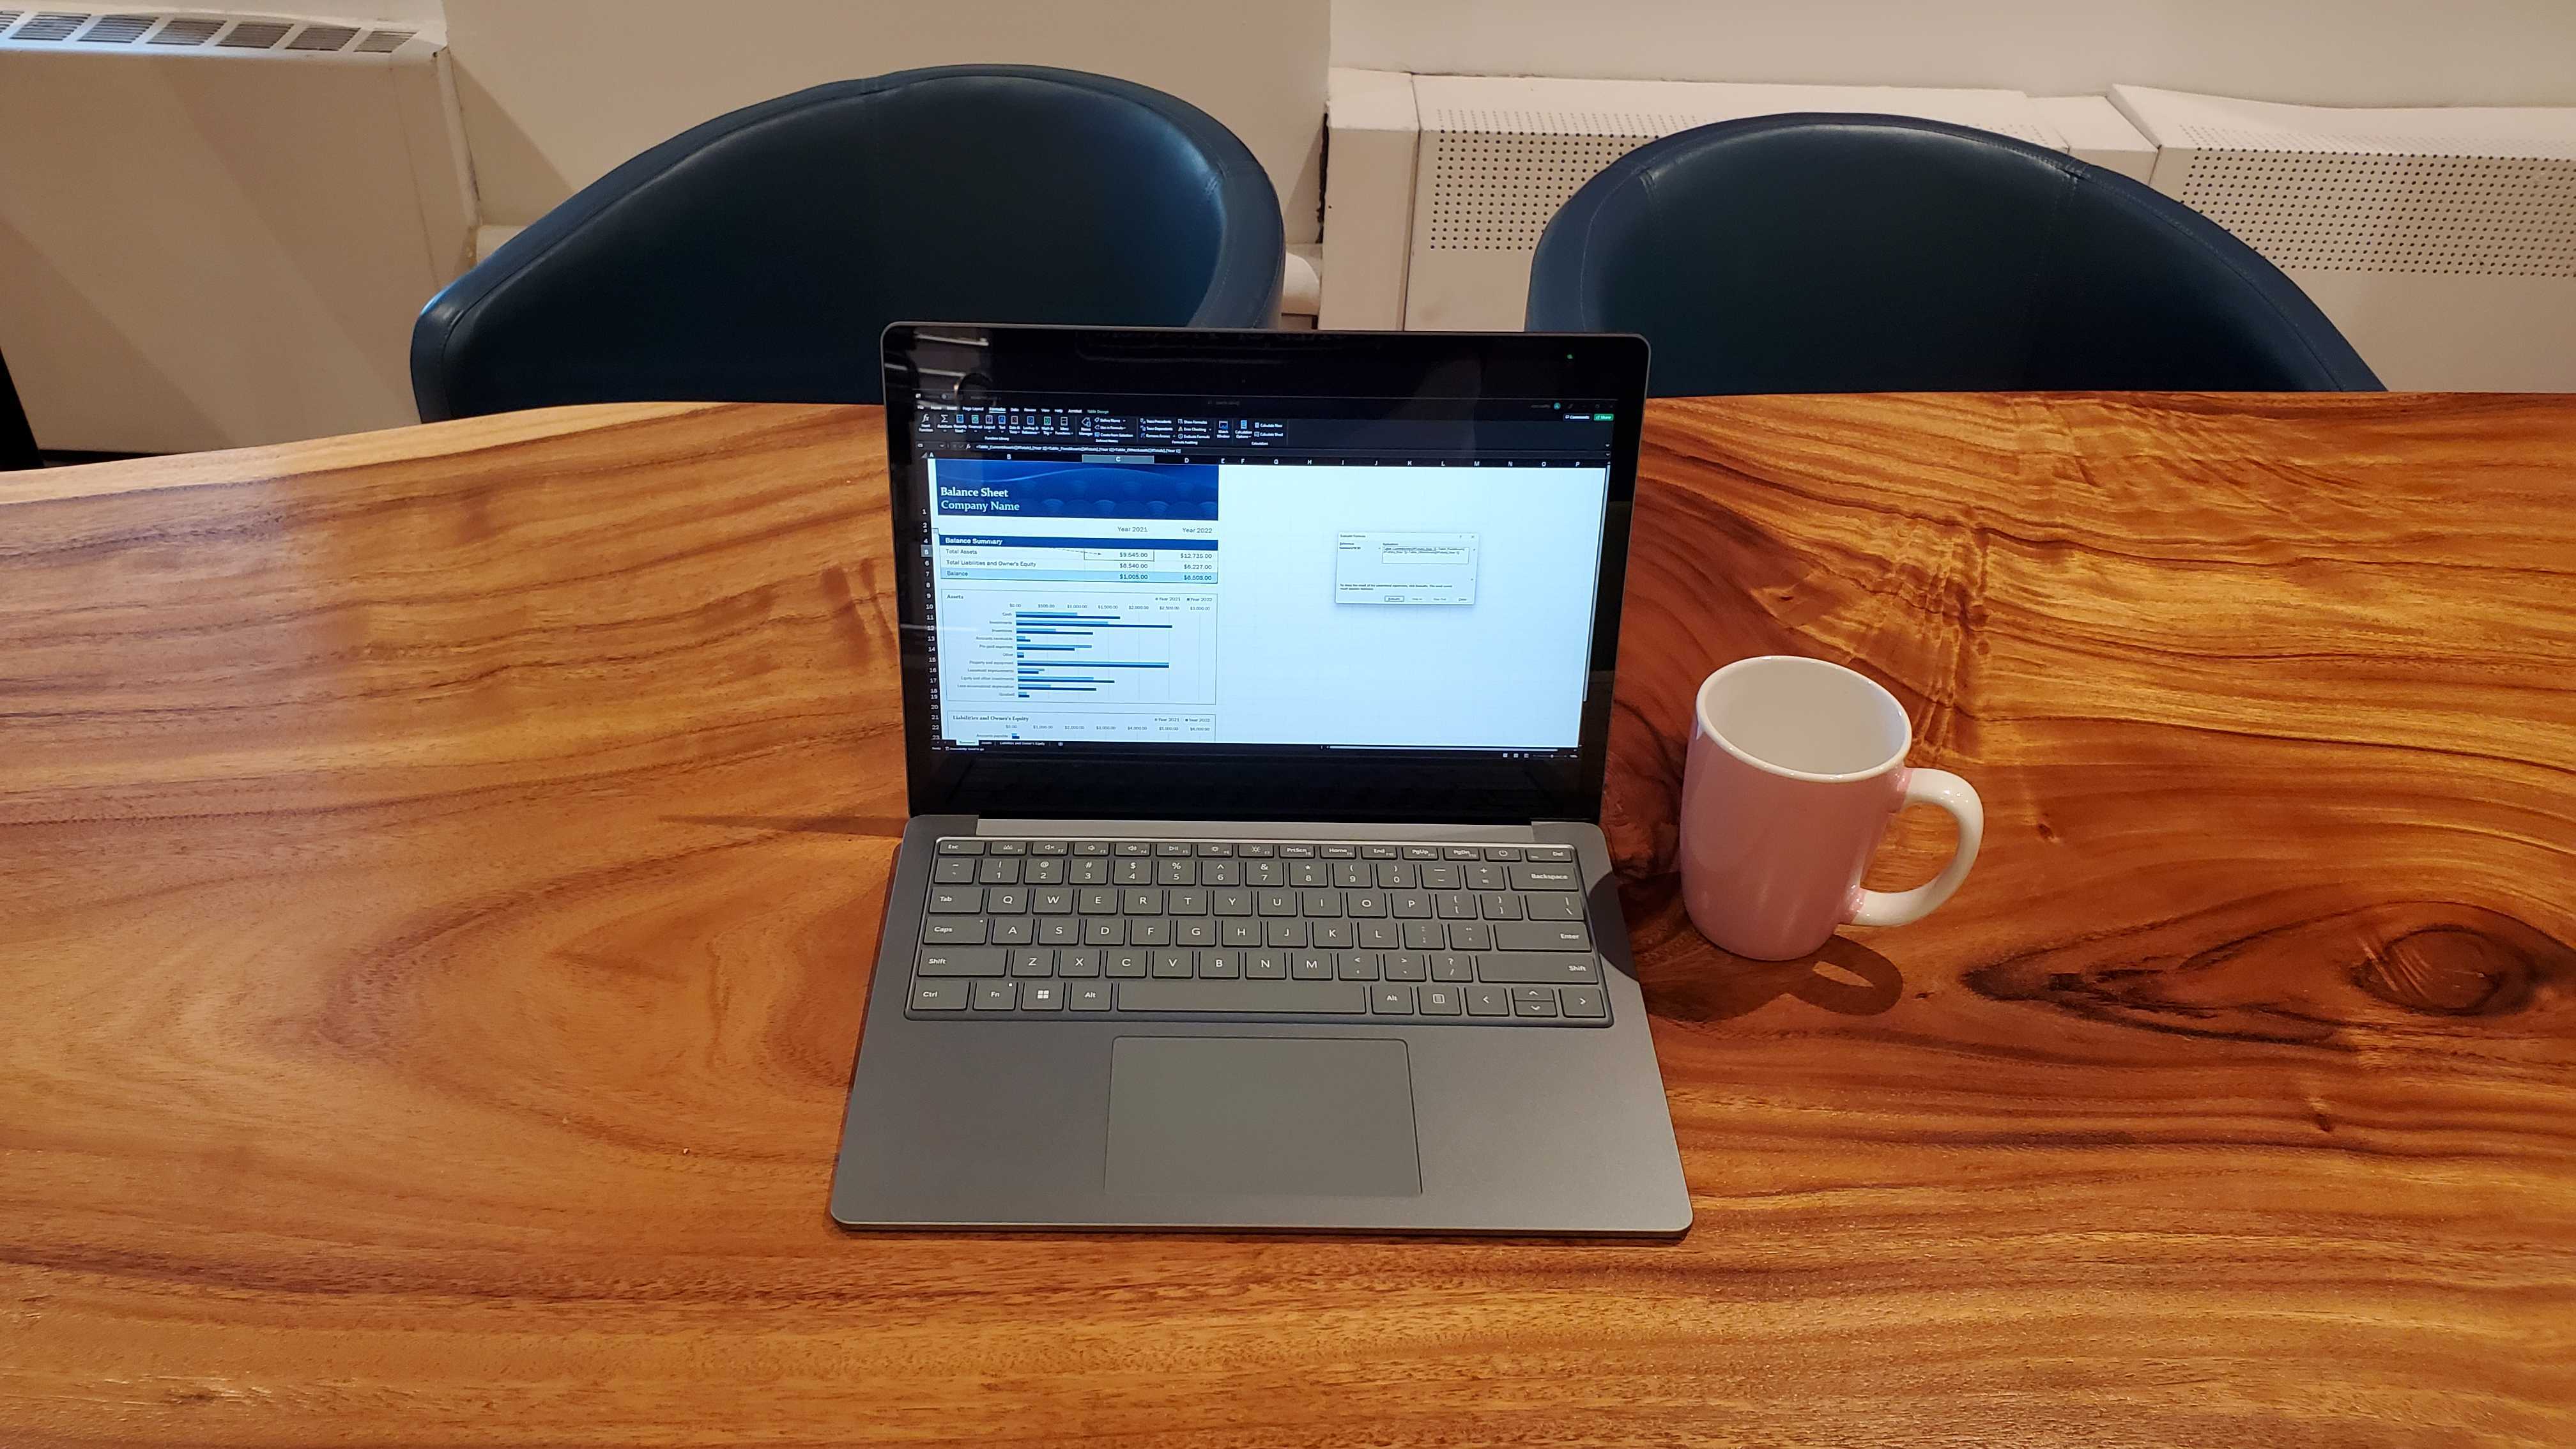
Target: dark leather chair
17,440
1834,253
757,257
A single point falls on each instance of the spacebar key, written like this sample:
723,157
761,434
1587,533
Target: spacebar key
1267,998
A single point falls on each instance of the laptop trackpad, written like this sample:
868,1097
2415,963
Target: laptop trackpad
1269,1116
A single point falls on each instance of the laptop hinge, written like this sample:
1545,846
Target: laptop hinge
1259,830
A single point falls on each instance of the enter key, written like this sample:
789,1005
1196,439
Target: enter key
1542,936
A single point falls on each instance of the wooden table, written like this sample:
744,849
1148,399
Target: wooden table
438,872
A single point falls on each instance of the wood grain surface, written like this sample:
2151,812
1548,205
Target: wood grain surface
439,871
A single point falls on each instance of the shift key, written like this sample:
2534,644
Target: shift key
961,961
1515,968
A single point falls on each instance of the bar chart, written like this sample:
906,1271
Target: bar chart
1102,652
1068,653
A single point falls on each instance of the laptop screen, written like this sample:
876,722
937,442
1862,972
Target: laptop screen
1326,559
1264,571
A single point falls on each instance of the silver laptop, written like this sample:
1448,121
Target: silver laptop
1256,687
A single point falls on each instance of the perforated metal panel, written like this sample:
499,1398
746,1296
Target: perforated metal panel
1499,174
2367,143
1497,192
2378,212
2441,241
1499,155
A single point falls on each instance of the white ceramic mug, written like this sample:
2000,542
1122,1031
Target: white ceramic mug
1796,767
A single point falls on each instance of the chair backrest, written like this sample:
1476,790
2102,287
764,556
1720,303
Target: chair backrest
17,440
1846,253
758,257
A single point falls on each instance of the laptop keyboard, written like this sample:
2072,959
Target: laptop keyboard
1471,935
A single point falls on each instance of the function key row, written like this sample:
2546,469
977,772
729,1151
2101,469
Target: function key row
1573,1005
1367,934
1254,849
968,900
1404,875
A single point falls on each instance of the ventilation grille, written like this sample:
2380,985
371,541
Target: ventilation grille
1648,125
2451,148
117,29
1497,191
251,33
2474,215
51,25
186,31
255,35
1498,175
1513,121
322,37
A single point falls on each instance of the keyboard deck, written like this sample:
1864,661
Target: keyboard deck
1473,935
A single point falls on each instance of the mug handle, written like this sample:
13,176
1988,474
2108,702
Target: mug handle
1928,787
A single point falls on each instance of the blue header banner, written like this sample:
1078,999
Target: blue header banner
1048,488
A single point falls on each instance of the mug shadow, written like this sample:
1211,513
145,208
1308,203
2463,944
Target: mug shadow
1687,979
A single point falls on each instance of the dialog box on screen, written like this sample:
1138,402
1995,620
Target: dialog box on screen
1405,568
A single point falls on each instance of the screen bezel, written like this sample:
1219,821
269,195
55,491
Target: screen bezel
1220,782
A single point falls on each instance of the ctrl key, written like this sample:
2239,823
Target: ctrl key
940,995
